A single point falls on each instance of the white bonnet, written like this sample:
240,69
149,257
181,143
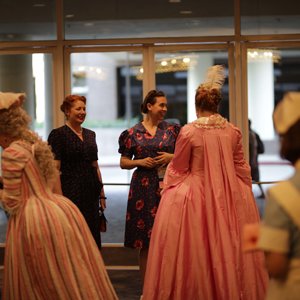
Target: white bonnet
287,112
9,99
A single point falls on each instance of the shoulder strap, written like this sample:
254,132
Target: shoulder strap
288,197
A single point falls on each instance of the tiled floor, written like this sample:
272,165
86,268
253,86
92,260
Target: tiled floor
127,283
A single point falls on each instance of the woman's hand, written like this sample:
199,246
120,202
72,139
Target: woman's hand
163,158
147,162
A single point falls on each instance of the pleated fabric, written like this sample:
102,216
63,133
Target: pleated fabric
50,253
195,248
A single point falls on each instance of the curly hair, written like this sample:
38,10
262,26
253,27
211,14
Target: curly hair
151,98
14,123
68,102
290,143
208,99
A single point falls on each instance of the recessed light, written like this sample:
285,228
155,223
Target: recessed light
186,12
39,5
69,16
174,1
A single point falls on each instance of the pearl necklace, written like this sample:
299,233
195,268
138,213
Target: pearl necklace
79,133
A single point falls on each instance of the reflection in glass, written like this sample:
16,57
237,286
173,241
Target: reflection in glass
270,17
145,19
268,80
27,20
108,81
178,74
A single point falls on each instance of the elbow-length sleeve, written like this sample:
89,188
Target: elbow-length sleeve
13,163
179,166
125,144
242,168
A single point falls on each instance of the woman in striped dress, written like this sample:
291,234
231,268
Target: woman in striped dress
50,252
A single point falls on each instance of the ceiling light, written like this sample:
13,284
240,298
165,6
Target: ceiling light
39,5
186,12
263,55
174,1
169,64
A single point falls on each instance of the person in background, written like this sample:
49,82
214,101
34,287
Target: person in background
279,233
195,248
148,147
76,154
49,250
256,147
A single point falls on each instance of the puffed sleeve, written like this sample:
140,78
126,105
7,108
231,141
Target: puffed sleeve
179,166
13,163
55,141
125,144
242,168
176,130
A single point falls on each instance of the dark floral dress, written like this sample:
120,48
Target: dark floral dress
79,178
144,192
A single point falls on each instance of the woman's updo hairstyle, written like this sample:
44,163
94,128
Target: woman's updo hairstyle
151,98
68,102
208,100
208,94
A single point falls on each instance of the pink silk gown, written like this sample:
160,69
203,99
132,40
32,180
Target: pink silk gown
50,252
195,249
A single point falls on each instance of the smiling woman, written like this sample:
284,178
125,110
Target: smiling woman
148,146
76,154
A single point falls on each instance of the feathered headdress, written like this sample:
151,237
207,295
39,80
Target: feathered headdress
214,79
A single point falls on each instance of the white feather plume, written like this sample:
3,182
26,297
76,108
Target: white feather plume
215,78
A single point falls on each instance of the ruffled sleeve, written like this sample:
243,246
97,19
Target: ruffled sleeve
125,144
13,163
242,168
179,167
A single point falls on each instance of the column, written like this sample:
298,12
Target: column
261,96
196,75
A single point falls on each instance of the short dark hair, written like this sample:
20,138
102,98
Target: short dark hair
290,143
151,98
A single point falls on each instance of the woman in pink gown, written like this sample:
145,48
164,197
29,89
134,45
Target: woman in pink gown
195,249
49,252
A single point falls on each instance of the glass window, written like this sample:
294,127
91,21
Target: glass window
145,19
179,74
114,95
27,20
271,73
270,17
31,74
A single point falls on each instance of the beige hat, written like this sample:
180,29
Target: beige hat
287,112
9,99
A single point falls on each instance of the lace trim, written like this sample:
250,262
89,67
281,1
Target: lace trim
211,122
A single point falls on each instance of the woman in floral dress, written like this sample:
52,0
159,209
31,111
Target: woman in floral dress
148,146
